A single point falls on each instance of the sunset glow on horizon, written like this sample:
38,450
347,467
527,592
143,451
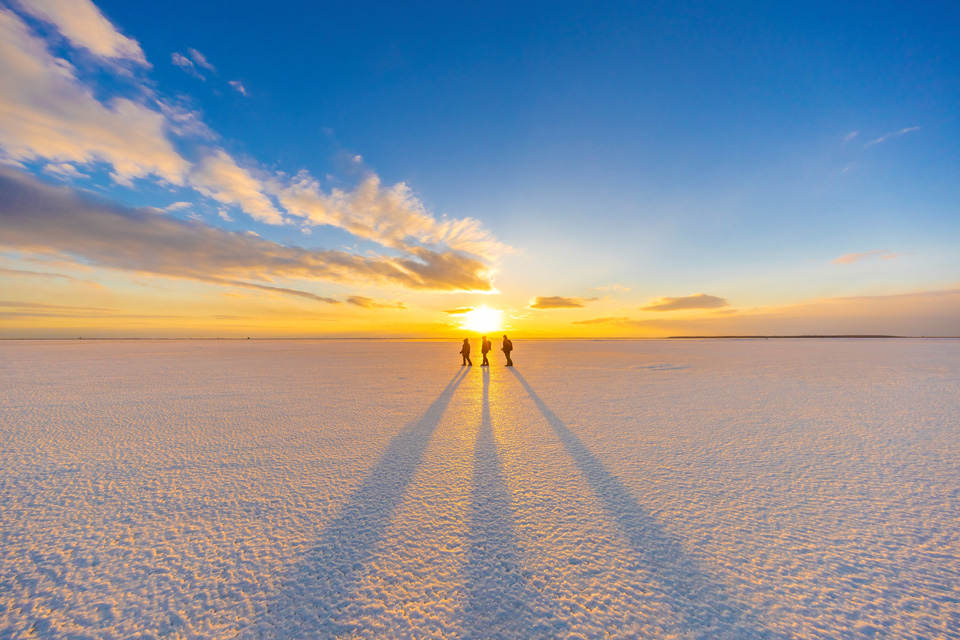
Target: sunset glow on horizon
318,171
483,319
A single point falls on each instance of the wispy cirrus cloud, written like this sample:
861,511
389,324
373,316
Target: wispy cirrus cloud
43,219
559,302
23,273
696,301
850,136
85,26
201,60
186,64
883,254
892,134
459,312
63,170
239,87
370,303
192,62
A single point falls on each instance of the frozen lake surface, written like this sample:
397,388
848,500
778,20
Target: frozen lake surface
657,489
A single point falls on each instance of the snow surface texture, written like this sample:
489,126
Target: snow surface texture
292,489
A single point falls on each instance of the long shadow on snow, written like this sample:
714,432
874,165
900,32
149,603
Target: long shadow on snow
699,600
498,596
309,603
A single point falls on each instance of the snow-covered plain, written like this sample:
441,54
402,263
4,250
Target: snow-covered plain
351,489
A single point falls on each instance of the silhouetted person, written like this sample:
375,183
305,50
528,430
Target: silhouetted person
465,352
507,348
485,347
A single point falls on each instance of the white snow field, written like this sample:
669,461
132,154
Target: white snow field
367,489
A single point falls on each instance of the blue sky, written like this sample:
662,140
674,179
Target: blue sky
669,148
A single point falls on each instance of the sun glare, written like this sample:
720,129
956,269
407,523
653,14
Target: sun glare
482,320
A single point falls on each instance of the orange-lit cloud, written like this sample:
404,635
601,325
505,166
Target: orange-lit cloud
82,23
883,254
459,312
22,273
218,176
559,302
388,215
931,313
48,113
696,301
370,303
39,218
51,114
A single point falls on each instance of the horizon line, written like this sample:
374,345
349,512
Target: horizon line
530,339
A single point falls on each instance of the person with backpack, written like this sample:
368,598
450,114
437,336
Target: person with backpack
485,347
507,348
465,352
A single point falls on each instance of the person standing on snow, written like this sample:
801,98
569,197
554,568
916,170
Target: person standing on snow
465,352
507,348
485,347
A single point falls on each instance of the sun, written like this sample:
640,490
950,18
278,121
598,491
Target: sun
482,320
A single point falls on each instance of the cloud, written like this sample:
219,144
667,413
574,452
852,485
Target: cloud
201,60
218,176
696,301
390,216
25,309
82,23
64,170
49,114
187,65
883,254
559,302
892,134
931,313
43,219
21,273
370,303
238,86
850,136
459,312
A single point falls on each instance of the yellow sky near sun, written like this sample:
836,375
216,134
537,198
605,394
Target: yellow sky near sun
81,301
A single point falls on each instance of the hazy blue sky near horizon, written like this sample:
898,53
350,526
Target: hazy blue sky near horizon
731,149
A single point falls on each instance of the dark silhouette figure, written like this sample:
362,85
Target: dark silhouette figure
485,347
507,348
465,352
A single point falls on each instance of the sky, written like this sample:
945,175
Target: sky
214,169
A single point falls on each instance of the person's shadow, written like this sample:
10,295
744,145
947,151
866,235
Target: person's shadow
699,600
498,597
312,599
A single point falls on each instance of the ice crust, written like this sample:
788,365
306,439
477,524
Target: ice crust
357,489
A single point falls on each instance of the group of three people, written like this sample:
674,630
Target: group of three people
485,347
